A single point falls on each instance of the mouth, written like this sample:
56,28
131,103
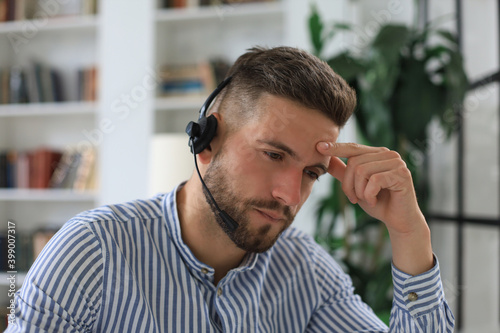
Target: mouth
271,215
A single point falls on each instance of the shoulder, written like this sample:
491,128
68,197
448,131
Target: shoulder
304,249
123,212
109,217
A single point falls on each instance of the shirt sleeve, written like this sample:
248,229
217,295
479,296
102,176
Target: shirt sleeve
339,308
62,290
419,304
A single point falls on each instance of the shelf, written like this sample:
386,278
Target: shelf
47,109
46,195
221,12
56,23
179,103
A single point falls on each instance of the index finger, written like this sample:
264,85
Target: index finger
345,149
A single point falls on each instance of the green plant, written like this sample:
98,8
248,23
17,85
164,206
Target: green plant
404,78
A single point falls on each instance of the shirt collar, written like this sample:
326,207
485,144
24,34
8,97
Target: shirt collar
174,230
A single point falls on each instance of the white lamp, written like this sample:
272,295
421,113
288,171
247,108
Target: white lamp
171,162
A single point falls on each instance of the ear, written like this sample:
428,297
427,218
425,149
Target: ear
208,153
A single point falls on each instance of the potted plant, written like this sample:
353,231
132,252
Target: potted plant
405,78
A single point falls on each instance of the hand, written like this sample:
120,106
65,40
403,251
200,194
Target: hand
379,181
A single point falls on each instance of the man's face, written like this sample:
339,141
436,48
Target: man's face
265,171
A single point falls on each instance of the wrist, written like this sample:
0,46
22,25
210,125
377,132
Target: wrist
412,249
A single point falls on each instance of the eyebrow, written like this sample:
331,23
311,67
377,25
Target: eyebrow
293,154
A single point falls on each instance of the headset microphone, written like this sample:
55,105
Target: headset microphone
200,136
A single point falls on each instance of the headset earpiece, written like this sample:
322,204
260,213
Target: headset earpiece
202,132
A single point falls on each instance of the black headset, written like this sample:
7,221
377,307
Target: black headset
202,132
200,136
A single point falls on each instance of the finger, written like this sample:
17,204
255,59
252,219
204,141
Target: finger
360,169
347,149
337,168
379,182
397,180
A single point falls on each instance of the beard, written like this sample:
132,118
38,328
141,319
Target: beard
254,241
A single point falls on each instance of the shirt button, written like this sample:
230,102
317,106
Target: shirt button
219,292
204,270
412,297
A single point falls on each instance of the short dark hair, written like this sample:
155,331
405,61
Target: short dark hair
291,73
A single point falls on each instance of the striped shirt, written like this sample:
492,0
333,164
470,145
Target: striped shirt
124,268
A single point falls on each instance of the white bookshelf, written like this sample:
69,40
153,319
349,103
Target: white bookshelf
68,44
51,24
46,195
48,109
258,10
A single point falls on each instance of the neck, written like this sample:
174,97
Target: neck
201,232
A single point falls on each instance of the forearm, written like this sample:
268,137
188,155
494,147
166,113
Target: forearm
412,250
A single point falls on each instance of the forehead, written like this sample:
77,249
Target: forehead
278,117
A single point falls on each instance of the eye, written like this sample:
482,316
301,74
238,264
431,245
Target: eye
313,175
273,156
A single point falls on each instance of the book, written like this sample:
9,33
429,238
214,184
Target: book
24,251
199,78
4,320
3,10
20,11
43,163
69,179
3,169
17,91
3,250
11,169
11,10
84,169
46,84
75,170
32,84
56,86
87,84
22,170
17,10
61,172
39,83
5,93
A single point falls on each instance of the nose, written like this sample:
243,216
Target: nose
287,188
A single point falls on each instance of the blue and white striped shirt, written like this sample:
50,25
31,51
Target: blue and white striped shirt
125,268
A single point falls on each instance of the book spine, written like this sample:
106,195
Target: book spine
3,169
3,10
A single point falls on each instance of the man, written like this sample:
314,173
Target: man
171,264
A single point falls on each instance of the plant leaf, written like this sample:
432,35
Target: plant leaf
376,123
415,101
346,66
390,40
436,52
316,30
448,36
455,86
